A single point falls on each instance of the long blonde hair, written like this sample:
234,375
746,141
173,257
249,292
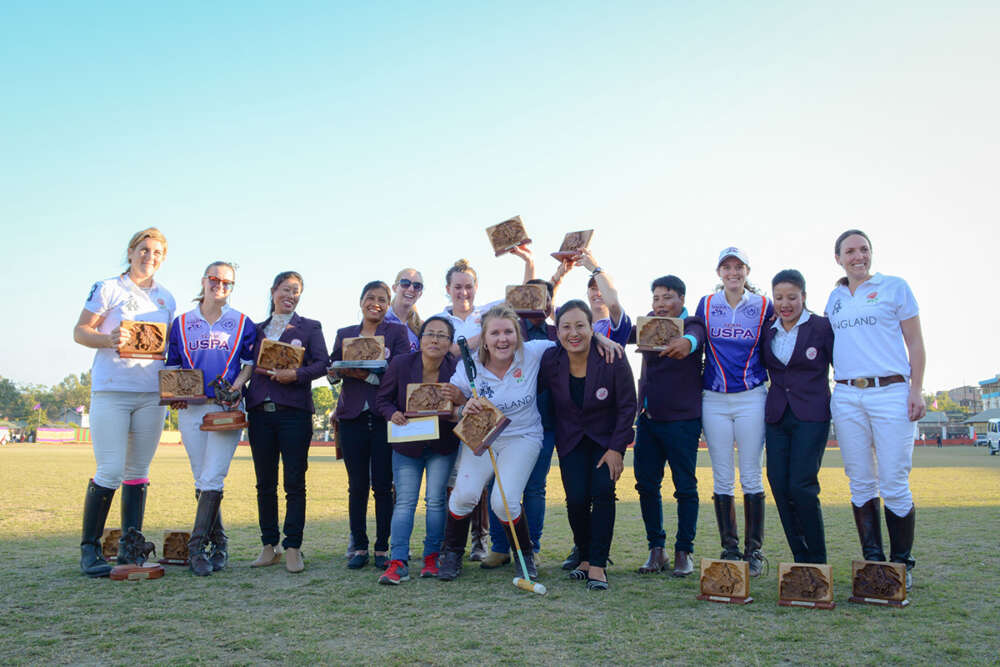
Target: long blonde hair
501,311
413,319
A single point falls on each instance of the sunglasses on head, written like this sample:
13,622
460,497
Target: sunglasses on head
406,282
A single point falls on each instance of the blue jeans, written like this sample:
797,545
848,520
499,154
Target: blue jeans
407,472
674,443
533,503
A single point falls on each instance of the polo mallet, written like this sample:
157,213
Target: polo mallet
524,583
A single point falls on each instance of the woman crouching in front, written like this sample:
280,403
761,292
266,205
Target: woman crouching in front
594,405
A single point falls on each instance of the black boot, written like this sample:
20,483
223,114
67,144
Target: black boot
753,515
96,504
480,528
524,540
133,511
725,516
220,542
901,539
208,507
869,525
456,533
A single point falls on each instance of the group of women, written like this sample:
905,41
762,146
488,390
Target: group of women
566,384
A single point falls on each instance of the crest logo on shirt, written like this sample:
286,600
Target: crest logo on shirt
811,353
228,325
751,311
486,391
718,311
195,325
601,393
872,298
517,373
161,302
836,307
296,342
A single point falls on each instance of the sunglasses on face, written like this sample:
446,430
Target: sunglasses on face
406,282
226,284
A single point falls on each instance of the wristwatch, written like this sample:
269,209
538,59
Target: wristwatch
596,270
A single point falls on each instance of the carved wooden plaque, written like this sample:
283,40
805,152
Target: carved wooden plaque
573,243
147,340
274,355
364,348
507,234
805,585
427,399
725,581
527,300
478,431
877,582
109,543
184,385
654,333
175,547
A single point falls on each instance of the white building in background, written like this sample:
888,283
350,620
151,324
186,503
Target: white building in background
991,392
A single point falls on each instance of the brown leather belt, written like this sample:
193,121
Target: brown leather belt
863,383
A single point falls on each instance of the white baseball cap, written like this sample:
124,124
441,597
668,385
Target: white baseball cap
733,251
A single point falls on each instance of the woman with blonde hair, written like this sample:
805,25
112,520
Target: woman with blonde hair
407,290
126,418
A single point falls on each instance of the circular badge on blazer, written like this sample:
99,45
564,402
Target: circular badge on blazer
296,343
811,353
601,393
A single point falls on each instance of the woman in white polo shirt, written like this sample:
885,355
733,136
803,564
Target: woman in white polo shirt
126,417
878,364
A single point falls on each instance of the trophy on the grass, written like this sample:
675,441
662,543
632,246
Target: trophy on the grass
147,340
109,543
230,419
805,585
878,583
427,399
175,547
182,386
573,243
726,581
507,235
137,550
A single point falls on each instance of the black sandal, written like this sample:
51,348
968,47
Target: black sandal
596,585
578,575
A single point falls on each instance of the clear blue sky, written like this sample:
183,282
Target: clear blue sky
349,142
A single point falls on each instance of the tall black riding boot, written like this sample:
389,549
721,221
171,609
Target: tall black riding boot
753,515
524,540
480,527
725,516
96,504
208,507
869,525
901,539
133,511
220,542
456,533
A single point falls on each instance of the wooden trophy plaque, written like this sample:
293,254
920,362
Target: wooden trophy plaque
225,420
478,431
878,583
427,399
573,243
726,581
363,352
136,572
507,235
274,355
654,333
184,386
528,300
175,547
147,340
109,543
805,585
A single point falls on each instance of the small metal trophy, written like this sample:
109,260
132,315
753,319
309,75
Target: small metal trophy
232,418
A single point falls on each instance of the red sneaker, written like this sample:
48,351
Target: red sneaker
395,573
430,568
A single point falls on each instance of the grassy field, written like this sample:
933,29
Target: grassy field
328,614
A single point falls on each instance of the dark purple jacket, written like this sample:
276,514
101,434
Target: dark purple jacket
804,383
391,396
670,389
355,393
608,400
296,394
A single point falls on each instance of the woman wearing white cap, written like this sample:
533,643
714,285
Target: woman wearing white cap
878,364
733,402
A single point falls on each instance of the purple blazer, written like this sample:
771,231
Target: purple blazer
670,389
804,383
608,401
296,394
391,396
355,393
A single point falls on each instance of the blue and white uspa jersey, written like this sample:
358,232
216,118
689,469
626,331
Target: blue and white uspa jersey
867,338
215,349
732,358
116,299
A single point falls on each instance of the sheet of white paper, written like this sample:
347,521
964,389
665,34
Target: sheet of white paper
419,428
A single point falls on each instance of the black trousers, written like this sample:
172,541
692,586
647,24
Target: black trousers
368,459
590,501
285,435
794,455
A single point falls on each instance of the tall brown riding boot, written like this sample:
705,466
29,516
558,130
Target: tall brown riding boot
480,528
456,533
869,525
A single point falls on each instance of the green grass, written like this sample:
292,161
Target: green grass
50,613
